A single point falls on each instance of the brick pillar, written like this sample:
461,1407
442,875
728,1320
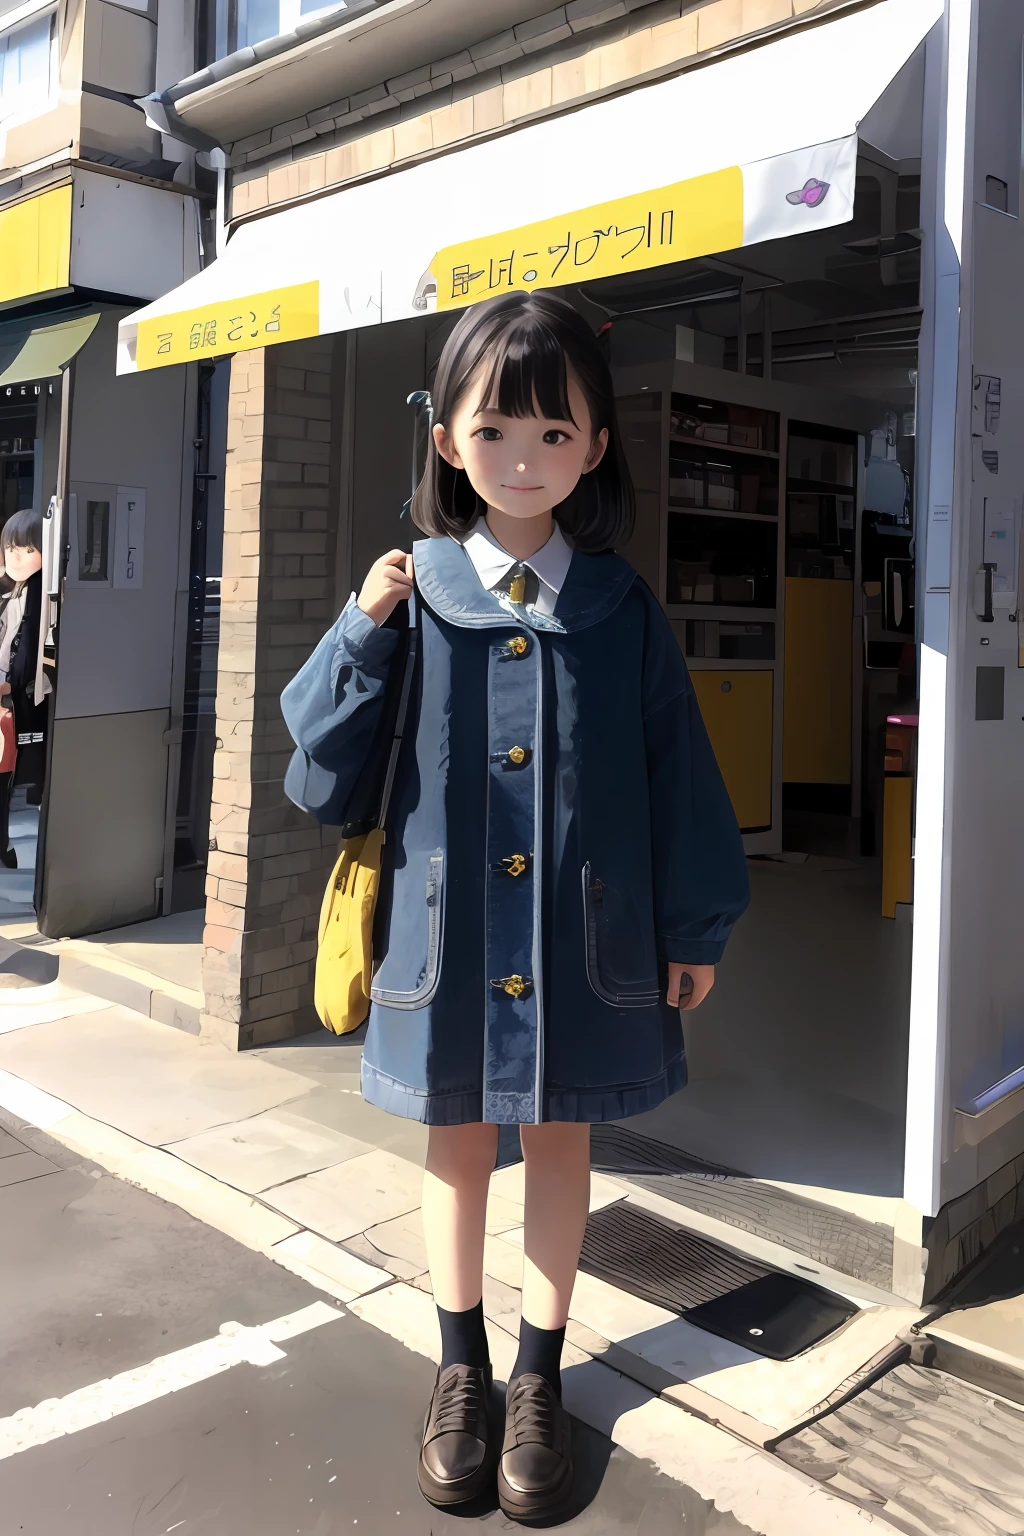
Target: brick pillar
268,861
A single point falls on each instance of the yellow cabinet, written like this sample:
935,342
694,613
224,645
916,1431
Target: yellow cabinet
817,691
737,711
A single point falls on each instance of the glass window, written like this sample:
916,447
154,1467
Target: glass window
26,67
257,20
225,26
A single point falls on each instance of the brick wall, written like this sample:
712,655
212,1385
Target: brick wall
267,870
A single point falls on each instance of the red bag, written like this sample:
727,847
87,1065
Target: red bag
8,741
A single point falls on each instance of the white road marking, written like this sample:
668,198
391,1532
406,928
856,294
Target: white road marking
95,1404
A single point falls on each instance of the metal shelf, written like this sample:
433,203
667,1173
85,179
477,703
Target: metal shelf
680,508
702,442
728,613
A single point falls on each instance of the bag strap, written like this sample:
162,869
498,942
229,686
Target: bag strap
403,709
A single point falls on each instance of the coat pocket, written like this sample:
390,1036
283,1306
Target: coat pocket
410,971
621,964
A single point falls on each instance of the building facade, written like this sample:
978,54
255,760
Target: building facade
795,228
99,211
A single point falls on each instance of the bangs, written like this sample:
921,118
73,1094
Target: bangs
526,375
22,531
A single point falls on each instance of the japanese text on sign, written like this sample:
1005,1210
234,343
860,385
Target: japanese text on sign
230,325
646,229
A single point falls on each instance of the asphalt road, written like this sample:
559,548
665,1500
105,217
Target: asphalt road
319,1436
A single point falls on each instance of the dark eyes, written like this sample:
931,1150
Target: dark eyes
551,438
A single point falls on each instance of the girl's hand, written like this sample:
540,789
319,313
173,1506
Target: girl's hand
388,582
703,977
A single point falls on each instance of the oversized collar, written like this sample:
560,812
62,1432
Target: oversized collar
594,586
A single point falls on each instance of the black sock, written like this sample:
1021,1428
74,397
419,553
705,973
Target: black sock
463,1337
540,1351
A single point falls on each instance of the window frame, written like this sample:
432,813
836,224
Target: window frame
29,105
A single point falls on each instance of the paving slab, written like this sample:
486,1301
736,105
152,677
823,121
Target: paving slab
351,1197
401,1238
341,1107
268,1149
45,1004
404,1269
503,1260
156,1084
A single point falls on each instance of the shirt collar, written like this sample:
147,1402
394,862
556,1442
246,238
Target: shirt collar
492,561
447,581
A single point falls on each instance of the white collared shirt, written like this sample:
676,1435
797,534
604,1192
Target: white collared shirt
492,562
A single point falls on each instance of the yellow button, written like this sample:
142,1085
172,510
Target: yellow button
518,645
515,863
515,986
517,755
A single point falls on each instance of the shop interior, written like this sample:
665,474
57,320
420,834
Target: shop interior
767,406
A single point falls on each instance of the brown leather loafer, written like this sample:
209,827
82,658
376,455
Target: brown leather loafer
457,1456
535,1471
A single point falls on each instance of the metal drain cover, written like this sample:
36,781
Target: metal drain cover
764,1310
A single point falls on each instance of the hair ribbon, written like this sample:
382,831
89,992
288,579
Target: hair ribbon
420,398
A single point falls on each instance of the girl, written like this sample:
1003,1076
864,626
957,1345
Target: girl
21,560
561,849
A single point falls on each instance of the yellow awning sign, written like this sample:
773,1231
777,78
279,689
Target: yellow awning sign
230,325
646,229
35,245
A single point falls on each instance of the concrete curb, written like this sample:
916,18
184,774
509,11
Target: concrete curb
142,996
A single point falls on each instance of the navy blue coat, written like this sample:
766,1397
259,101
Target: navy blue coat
558,831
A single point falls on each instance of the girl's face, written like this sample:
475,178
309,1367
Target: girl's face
21,563
522,465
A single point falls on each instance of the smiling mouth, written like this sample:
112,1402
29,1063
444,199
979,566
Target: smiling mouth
522,487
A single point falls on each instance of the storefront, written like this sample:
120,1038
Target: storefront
801,260
103,462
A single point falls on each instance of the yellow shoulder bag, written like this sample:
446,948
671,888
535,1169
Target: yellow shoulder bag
344,960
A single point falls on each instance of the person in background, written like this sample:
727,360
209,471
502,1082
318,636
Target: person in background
21,561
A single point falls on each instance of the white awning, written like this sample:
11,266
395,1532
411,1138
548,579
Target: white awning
757,146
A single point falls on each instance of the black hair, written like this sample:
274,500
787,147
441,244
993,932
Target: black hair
23,531
523,345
